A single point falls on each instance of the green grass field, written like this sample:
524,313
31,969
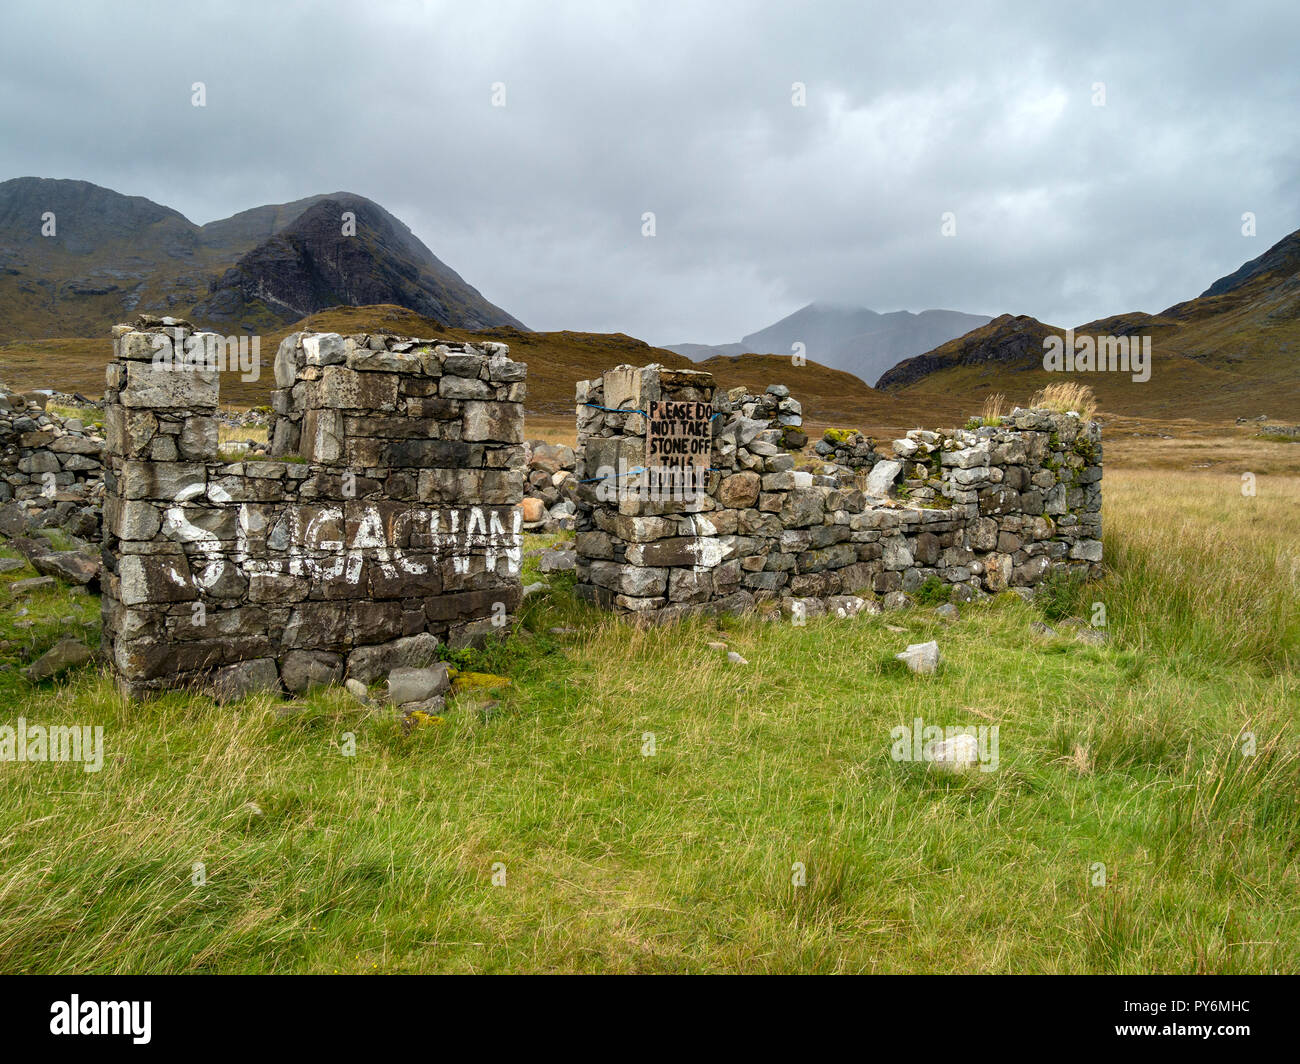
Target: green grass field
1132,754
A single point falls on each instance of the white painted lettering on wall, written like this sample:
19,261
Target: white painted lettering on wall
327,543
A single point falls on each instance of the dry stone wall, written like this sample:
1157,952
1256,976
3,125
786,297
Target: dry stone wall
51,471
384,523
977,510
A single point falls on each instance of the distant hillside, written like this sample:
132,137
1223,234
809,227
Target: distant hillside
1279,265
1014,342
556,362
855,339
112,256
1233,351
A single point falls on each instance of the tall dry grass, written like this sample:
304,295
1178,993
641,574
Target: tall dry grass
994,409
1198,568
1066,396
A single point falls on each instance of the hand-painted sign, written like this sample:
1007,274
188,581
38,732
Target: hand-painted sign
679,436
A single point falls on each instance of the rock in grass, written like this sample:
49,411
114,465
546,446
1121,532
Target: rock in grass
8,565
427,714
65,654
32,583
1042,630
716,646
845,605
956,754
407,685
533,589
357,689
1094,637
429,706
557,561
948,613
70,566
245,678
735,658
921,658
896,600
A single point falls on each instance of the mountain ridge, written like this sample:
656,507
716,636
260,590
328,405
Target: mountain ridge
1233,348
112,255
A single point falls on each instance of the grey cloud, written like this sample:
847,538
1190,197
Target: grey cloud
1064,210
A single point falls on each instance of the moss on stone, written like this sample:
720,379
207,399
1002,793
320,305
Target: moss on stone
1086,449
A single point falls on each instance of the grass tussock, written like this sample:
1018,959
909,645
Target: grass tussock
1066,396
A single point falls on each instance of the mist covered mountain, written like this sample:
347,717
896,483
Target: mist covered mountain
852,338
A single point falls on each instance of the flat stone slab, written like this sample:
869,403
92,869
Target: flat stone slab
65,654
32,583
407,685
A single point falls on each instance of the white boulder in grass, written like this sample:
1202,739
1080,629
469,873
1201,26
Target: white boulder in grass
921,658
960,753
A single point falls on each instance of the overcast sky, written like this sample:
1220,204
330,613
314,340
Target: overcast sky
1064,209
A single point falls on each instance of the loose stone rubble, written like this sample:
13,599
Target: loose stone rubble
550,489
782,412
386,522
848,449
51,471
970,513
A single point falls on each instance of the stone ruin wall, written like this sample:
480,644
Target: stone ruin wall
384,522
980,510
51,471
